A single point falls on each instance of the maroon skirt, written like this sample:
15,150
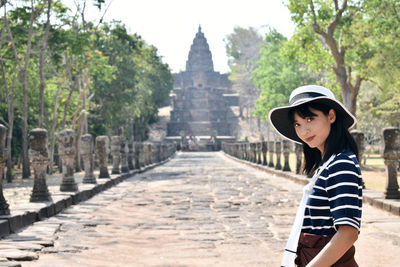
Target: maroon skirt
310,245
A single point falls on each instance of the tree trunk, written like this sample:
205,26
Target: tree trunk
25,159
23,70
41,66
53,129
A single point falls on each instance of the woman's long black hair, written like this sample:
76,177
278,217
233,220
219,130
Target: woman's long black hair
339,139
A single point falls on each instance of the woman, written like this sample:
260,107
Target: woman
328,219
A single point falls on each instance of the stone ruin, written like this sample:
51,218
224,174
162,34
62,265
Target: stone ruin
202,102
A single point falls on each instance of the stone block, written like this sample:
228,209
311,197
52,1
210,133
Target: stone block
4,228
29,217
14,221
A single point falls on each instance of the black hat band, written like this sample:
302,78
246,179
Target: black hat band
305,95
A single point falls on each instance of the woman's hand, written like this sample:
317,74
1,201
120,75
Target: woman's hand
336,248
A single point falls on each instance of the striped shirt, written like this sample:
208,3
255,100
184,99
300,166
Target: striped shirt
336,198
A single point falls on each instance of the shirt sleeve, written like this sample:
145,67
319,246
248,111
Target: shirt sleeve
344,189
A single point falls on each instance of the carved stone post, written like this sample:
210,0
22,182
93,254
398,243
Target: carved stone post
254,150
87,157
131,155
245,151
115,152
287,147
298,150
140,154
278,152
102,151
259,146
264,150
157,148
391,155
150,153
39,157
66,150
4,210
271,149
358,137
124,156
137,155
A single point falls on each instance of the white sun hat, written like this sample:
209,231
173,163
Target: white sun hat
279,116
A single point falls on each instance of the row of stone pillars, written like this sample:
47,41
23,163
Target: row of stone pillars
128,156
269,153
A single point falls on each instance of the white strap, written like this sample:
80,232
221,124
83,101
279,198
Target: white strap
289,254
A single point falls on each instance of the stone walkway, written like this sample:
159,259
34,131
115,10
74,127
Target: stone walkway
199,209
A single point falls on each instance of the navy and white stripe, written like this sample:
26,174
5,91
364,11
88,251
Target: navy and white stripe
336,198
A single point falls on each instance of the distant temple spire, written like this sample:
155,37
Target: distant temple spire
200,58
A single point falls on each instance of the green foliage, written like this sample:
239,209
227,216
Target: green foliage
242,48
119,79
277,75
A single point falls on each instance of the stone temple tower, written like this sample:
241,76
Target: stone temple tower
202,99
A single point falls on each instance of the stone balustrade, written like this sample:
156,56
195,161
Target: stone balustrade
127,153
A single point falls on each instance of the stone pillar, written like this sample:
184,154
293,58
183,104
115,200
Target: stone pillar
241,151
140,154
287,147
137,155
391,155
66,150
39,158
271,149
157,147
298,150
131,155
87,157
150,153
115,152
278,152
124,156
259,146
264,150
102,151
358,137
254,153
4,210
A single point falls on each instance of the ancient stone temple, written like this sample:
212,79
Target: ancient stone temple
202,99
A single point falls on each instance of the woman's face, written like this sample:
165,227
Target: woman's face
314,130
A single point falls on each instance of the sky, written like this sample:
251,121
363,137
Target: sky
171,25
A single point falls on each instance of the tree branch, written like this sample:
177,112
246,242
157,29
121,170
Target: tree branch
332,26
11,37
315,24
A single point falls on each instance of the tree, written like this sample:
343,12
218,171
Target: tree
242,48
277,75
339,26
24,14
